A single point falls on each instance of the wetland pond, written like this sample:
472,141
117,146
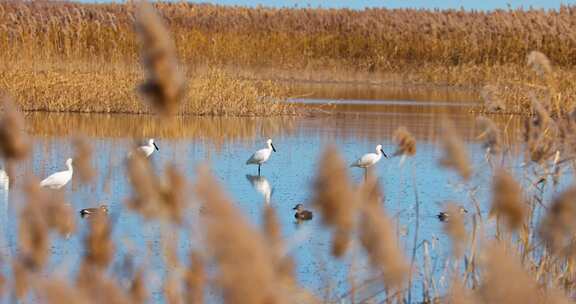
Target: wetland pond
354,125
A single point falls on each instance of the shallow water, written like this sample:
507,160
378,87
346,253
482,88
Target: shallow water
224,144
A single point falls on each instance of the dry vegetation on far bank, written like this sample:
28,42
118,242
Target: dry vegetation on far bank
64,56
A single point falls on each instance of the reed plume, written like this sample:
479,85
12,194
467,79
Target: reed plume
98,243
455,155
405,141
335,198
456,229
138,291
195,279
505,280
492,139
377,236
164,86
558,226
539,63
540,133
83,159
153,197
492,102
507,200
14,141
246,272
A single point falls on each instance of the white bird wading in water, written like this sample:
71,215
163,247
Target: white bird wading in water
149,148
369,159
59,179
261,156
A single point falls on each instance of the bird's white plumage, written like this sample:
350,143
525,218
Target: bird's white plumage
369,159
147,149
59,179
261,156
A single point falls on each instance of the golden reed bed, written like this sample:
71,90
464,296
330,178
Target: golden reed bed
61,56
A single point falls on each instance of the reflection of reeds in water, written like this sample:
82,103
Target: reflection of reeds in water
212,129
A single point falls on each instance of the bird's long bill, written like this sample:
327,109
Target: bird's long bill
295,208
382,150
273,149
155,146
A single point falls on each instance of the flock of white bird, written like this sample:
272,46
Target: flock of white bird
60,179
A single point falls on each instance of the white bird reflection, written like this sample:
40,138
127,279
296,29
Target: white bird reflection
261,184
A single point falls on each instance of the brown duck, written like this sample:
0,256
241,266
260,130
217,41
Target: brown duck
102,209
301,213
444,215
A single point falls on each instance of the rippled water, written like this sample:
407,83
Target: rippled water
225,143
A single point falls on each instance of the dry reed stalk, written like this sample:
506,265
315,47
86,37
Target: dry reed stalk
558,226
540,133
455,155
456,229
246,272
83,159
539,63
14,141
405,141
138,291
44,211
172,290
335,198
505,280
284,265
459,294
53,291
98,243
377,236
492,102
164,87
507,200
491,135
22,276
155,198
99,288
195,280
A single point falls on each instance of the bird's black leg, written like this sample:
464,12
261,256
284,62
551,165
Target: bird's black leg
259,169
365,174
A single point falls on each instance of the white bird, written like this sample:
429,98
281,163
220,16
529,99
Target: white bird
261,184
261,156
369,159
59,179
149,148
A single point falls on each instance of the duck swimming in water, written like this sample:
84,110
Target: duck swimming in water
102,209
301,213
444,215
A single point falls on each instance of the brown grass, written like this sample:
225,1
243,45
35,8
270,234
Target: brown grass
62,56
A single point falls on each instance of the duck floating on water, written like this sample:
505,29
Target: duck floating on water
301,213
444,215
102,209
